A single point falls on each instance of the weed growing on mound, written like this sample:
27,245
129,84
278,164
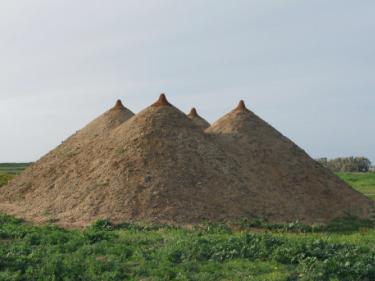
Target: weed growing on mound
155,252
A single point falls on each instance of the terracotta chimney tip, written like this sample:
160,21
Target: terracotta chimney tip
193,113
241,106
118,105
162,101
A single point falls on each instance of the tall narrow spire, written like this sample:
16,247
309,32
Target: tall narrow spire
162,101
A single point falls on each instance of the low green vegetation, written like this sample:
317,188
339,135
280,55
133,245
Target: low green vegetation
363,182
13,168
9,170
5,178
209,252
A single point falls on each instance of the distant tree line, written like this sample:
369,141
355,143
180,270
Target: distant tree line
346,164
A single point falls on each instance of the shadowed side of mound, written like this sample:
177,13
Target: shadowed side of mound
300,186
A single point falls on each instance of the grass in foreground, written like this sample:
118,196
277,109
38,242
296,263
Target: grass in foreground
210,252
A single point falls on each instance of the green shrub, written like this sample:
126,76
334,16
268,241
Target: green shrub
102,224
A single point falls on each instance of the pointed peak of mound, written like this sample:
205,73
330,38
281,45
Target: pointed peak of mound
197,119
193,113
157,117
241,107
117,112
162,101
104,123
237,120
118,105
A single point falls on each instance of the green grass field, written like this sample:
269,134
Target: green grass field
256,251
363,182
9,170
12,168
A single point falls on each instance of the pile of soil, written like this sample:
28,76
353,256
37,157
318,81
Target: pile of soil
160,166
297,186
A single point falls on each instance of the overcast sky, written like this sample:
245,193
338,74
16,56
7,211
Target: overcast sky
306,67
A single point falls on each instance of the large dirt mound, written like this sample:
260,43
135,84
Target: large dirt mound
300,187
159,166
69,160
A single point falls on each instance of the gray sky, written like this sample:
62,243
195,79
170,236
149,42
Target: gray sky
306,67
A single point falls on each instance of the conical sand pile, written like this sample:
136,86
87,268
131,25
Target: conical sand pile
158,166
66,166
197,119
300,187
